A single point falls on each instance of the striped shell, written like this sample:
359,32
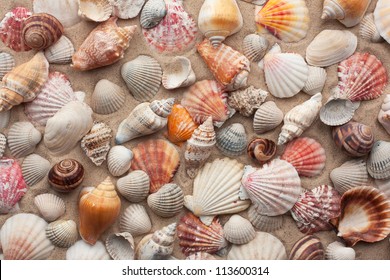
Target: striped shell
349,175
338,251
378,163
315,81
96,143
95,10
23,137
246,101
267,117
238,230
119,160
61,52
107,98
120,246
3,143
135,220
167,201
34,169
261,149
7,62
50,206
180,125
308,247
66,175
62,233
263,222
232,140
254,47
84,251
368,29
134,186
152,13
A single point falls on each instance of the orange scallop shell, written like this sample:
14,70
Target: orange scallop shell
180,125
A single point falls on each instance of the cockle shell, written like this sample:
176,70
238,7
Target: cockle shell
12,184
267,117
229,67
84,251
120,246
167,201
254,47
383,186
95,10
50,206
134,186
7,62
57,8
263,222
159,159
105,45
61,52
152,13
299,118
261,149
246,101
62,233
34,169
135,220
338,251
232,140
368,29
194,236
384,114
315,81
216,190
178,73
238,230
3,143
381,17
378,163
308,247
350,174
96,143
200,256
146,118
180,125
107,98
348,12
330,47
143,77
23,238
125,9
24,82
337,112
98,211
66,175
119,160
23,137
287,20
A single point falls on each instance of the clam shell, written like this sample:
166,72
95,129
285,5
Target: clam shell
180,125
4,119
62,233
50,206
232,140
267,117
134,186
96,143
368,29
66,175
338,111
315,81
238,230
200,256
120,246
61,52
95,10
125,9
107,98
3,143
7,62
178,73
119,160
247,101
84,251
384,114
338,251
383,186
167,201
261,149
342,10
34,169
350,174
254,47
381,17
57,8
23,137
152,13
378,163
135,220
263,222
308,247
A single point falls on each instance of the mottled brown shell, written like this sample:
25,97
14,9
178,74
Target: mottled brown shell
307,248
261,149
66,175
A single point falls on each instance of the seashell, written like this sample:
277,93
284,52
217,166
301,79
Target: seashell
315,81
50,206
23,137
143,77
263,222
308,247
306,155
57,8
120,246
107,97
167,201
61,52
219,19
261,149
159,159
62,233
384,114
238,230
350,174
232,140
338,251
200,256
267,117
96,143
285,73
98,211
3,143
41,31
134,186
264,246
338,111
125,9
11,29
365,216
247,101
180,125
216,190
378,163
383,186
4,119
34,169
152,13
24,82
287,20
178,73
299,118
66,175
229,67
330,47
273,189
84,251
194,236
348,12
7,62
204,99
175,33
355,139
119,160
146,118
105,45
95,10
12,184
368,29
135,220
254,47
381,17
67,127
158,245
23,238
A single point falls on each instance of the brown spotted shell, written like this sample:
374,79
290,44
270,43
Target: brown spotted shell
261,149
307,248
66,175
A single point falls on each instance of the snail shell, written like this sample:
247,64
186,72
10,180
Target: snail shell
66,175
261,149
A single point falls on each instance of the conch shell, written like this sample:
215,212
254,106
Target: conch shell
348,12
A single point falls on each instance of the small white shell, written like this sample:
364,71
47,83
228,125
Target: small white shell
232,140
338,251
350,174
254,47
120,246
267,117
4,118
7,62
368,30
152,13
95,10
338,111
3,143
61,52
167,201
238,230
135,186
378,163
50,206
23,137
178,73
263,222
135,220
316,80
62,233
34,169
119,160
125,9
107,98
83,251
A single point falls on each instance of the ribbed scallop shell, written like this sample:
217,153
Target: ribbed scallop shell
368,29
34,169
350,174
135,220
263,222
4,119
119,160
143,77
152,13
378,163
180,125
246,101
338,111
7,62
50,206
347,12
23,137
57,8
23,238
384,114
95,10
66,175
194,236
261,149
62,233
120,246
134,186
3,143
306,155
216,190
238,230
200,256
381,17
383,186
264,246
178,73
315,81
232,140
125,9
61,52
308,247
107,98
167,201
83,251
338,251
267,117
273,189
254,47
330,47
96,143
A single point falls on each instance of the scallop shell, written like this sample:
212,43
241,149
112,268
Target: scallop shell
338,111
247,101
57,8
264,246
378,163
347,12
84,251
338,251
4,119
368,29
216,190
119,160
23,137
167,201
62,233
384,114
135,220
50,206
383,186
180,125
178,73
143,77
7,62
330,47
381,17
125,9
120,246
308,247
267,117
107,98
232,140
200,256
3,143
61,52
254,47
152,13
95,10
96,143
238,230
134,186
23,238
315,81
66,175
263,222
34,169
350,174
261,149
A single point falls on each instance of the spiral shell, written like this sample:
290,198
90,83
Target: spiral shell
152,13
238,230
254,47
247,101
134,186
350,174
267,117
7,62
96,143
62,233
50,206
348,12
261,149
119,160
338,251
107,97
120,246
308,247
135,220
368,29
66,175
167,201
84,251
34,169
23,137
378,163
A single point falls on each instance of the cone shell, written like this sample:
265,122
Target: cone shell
178,73
61,52
23,238
238,230
263,222
307,248
105,45
120,246
315,81
167,201
232,140
143,77
254,47
84,251
200,256
267,117
347,12
107,98
96,143
350,174
261,149
383,186
368,29
23,137
338,111
7,62
152,13
180,125
378,163
66,175
119,160
338,251
57,8
381,17
95,10
50,206
384,114
159,159
135,220
34,169
3,143
247,101
62,233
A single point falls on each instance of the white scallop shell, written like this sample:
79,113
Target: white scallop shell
120,246
152,13
238,230
381,17
83,251
178,73
315,81
384,114
50,206
4,118
3,143
119,160
383,186
368,29
338,251
263,222
167,201
7,62
95,10
34,169
62,233
254,47
232,140
337,112
135,220
107,98
125,9
61,52
134,186
267,117
57,8
23,137
378,163
350,174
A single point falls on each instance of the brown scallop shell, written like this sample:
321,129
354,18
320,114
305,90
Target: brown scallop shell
66,175
307,248
261,149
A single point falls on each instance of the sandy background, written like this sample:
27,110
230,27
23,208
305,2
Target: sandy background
85,81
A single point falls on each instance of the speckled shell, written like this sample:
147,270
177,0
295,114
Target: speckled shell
267,117
107,98
232,140
308,247
96,143
95,10
369,31
84,251
62,233
338,111
350,174
57,8
263,222
347,12
66,175
180,125
134,186
178,73
384,114
338,251
378,163
3,143
167,201
315,81
381,17
119,160
254,47
7,62
50,206
135,220
200,256
238,230
152,13
34,169
247,101
261,149
23,137
61,52
120,246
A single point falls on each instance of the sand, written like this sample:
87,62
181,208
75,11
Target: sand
85,81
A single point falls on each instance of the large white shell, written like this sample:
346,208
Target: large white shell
368,29
232,140
50,206
135,220
64,10
62,233
381,17
167,201
267,117
107,97
238,230
7,62
120,246
178,73
338,251
254,47
34,169
83,251
378,163
119,160
384,114
125,9
61,52
350,174
4,118
95,10
23,137
134,186
315,81
3,143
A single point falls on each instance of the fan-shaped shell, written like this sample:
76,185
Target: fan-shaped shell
50,206
200,256
347,12
95,10
134,186
96,143
263,222
125,9
23,137
7,62
254,47
247,101
338,251
119,160
167,201
135,220
378,163
232,140
178,73
66,175
180,125
368,29
3,143
61,52
57,8
308,247
350,174
261,149
152,13
120,246
62,233
34,169
338,111
381,17
107,98
238,230
315,81
384,114
267,117
84,251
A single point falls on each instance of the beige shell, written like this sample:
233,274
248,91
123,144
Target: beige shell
3,143
378,163
348,12
96,143
178,73
167,201
238,230
84,251
246,101
263,222
338,251
119,160
4,119
23,137
107,98
383,186
316,80
61,52
267,117
120,246
384,114
368,29
135,220
350,174
254,47
50,206
134,186
34,169
7,62
62,233
95,10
